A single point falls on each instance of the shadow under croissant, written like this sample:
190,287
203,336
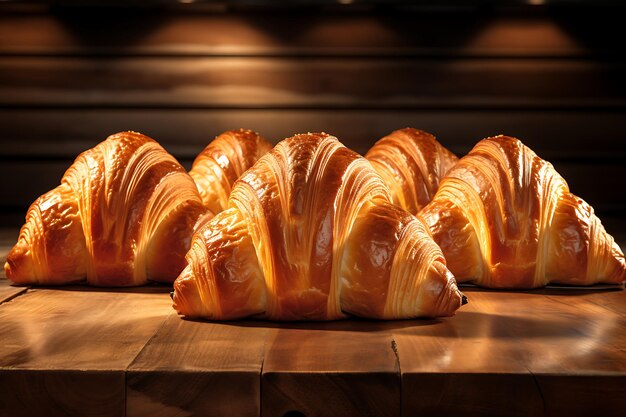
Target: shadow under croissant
554,289
422,320
151,288
465,325
349,324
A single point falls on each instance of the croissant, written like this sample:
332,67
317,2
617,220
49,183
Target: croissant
217,167
411,163
505,218
310,233
124,213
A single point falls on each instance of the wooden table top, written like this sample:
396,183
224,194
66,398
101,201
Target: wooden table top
114,352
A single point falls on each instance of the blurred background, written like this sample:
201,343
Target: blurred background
547,71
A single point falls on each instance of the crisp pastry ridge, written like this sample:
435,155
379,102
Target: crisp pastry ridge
412,163
123,214
222,161
505,218
310,233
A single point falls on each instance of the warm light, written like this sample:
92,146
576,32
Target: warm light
345,1
537,2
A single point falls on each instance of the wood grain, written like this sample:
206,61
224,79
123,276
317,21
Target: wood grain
220,82
198,368
343,368
65,351
4,250
516,348
7,291
583,395
113,352
551,76
69,78
613,301
35,393
8,237
554,135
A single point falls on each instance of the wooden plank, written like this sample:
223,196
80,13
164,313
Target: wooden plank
65,351
592,332
59,328
7,291
613,300
470,394
582,396
34,393
342,368
299,82
4,250
309,33
198,368
460,367
107,352
554,135
517,348
11,218
583,181
8,237
588,376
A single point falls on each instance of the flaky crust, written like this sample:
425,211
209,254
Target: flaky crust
505,218
311,234
218,166
411,162
124,213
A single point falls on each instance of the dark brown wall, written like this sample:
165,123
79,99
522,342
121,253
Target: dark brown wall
554,78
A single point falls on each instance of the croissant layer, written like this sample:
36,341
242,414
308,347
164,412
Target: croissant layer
505,218
311,234
124,213
217,167
411,162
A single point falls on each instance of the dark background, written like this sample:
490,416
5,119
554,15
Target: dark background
551,74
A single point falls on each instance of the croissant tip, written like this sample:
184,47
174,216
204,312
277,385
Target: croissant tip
463,299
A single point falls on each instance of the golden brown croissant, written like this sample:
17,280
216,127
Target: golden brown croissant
311,234
505,218
124,213
217,167
411,163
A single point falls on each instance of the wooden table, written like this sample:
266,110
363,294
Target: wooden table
111,352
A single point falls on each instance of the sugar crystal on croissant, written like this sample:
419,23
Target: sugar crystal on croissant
311,234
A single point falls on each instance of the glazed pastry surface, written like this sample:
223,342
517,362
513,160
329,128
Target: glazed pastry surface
411,162
311,234
124,214
219,165
505,218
